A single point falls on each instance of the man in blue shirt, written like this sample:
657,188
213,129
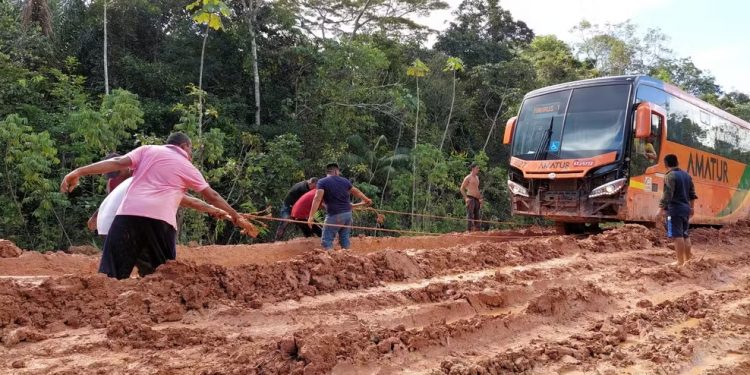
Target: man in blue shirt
677,205
336,192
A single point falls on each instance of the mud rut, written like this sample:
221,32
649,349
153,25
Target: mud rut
606,304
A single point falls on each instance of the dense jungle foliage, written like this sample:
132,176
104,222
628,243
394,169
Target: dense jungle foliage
270,91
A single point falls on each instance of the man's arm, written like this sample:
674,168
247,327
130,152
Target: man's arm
315,204
359,194
667,194
692,198
212,197
199,205
92,220
462,188
70,181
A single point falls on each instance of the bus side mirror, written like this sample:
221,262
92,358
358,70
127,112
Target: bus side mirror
509,126
644,118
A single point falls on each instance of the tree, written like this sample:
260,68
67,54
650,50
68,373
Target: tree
353,17
620,48
106,71
207,13
453,65
553,61
251,9
417,69
37,12
683,73
483,33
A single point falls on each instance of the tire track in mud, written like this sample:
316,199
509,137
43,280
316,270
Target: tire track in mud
385,311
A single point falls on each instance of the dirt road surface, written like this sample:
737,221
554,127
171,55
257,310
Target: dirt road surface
523,302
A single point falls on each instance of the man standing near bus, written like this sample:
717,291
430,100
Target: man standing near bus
677,206
470,191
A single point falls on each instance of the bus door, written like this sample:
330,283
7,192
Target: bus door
646,177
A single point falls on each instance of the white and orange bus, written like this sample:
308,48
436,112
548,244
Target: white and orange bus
592,151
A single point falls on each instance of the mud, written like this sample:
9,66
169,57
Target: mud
606,304
9,249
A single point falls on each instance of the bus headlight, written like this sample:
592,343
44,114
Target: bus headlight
608,189
517,189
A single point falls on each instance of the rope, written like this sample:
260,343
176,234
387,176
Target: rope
440,217
257,217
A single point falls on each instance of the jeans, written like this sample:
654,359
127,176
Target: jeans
472,215
284,214
329,232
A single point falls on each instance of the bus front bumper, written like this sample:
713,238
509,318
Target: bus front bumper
570,206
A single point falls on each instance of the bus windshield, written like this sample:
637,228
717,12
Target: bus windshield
578,123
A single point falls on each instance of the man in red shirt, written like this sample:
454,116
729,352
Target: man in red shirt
301,210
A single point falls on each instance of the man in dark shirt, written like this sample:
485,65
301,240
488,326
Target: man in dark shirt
335,191
292,196
677,206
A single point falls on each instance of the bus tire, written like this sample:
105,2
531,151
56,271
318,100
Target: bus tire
577,228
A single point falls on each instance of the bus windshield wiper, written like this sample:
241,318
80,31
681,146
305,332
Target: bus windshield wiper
544,143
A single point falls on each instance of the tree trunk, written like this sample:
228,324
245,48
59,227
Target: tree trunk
450,113
390,166
256,76
494,122
414,160
106,69
251,11
200,87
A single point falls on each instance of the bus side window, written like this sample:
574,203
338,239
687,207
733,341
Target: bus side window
655,138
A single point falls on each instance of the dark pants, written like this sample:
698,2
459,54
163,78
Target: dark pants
284,214
472,214
137,241
307,231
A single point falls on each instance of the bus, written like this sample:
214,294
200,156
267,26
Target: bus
592,151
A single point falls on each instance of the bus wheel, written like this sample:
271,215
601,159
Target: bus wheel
570,228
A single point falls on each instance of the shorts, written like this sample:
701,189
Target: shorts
137,241
677,226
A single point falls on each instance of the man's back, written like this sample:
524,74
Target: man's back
297,191
162,176
679,191
337,194
302,207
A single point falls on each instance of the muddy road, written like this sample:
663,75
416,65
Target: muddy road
524,302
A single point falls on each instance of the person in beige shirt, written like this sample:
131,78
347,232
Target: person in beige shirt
473,198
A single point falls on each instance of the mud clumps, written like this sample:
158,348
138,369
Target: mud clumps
23,334
562,300
402,265
704,269
136,333
627,237
319,353
9,249
732,234
84,250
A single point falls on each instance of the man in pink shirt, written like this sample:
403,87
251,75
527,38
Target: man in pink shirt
145,226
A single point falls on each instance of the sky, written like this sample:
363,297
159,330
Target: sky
715,34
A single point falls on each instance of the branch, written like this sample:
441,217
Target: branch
359,16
